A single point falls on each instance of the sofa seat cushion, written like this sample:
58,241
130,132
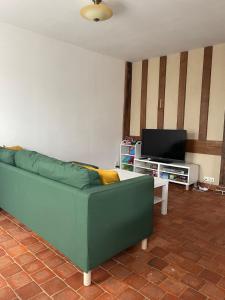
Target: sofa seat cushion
57,170
7,156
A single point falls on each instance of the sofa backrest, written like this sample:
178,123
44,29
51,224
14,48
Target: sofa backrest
64,172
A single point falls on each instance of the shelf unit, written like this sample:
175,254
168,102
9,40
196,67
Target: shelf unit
128,153
181,173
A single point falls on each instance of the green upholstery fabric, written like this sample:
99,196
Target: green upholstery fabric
7,156
57,170
89,226
27,160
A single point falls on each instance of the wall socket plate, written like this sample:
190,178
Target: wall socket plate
209,179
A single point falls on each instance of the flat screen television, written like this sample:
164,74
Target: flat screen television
164,144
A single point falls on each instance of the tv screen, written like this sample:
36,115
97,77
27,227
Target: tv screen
164,144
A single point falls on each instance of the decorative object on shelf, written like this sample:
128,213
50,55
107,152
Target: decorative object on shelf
129,150
129,141
128,160
96,12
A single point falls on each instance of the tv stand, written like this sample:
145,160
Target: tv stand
181,173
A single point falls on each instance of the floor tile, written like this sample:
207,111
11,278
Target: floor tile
3,283
42,276
65,270
99,275
120,272
191,294
9,244
136,281
109,264
25,258
193,281
131,295
33,266
66,294
2,252
5,261
114,286
18,280
124,258
105,296
210,276
174,271
212,291
16,251
7,294
160,252
170,297
29,290
54,261
172,286
152,291
10,270
37,247
91,292
53,286
75,281
158,263
41,296
45,254
155,276
29,241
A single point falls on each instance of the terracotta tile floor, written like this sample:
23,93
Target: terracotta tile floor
185,259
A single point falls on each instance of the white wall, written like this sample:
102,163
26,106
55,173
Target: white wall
59,99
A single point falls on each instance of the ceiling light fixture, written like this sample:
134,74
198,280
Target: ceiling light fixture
96,11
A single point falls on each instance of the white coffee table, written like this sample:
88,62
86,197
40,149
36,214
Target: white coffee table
158,182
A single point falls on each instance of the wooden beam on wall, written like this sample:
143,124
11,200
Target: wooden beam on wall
127,99
204,147
144,84
222,168
162,87
206,82
182,90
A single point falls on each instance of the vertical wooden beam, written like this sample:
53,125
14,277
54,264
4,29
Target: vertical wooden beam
182,90
144,83
222,168
206,82
162,87
127,99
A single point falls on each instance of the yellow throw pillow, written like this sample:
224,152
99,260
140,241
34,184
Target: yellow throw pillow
15,148
106,176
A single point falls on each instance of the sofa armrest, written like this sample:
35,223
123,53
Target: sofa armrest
119,216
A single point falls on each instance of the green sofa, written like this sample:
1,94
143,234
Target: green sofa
89,224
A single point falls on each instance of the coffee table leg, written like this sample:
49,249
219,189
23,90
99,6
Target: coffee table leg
164,199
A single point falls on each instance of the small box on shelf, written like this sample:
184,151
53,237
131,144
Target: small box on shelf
129,150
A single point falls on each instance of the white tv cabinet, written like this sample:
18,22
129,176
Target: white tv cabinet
181,173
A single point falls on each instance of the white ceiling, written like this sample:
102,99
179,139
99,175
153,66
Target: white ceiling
139,28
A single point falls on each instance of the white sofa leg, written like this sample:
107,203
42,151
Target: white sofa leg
144,244
87,278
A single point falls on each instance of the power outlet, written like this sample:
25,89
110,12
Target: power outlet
209,179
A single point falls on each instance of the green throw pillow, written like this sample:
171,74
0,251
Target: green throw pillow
27,160
7,156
